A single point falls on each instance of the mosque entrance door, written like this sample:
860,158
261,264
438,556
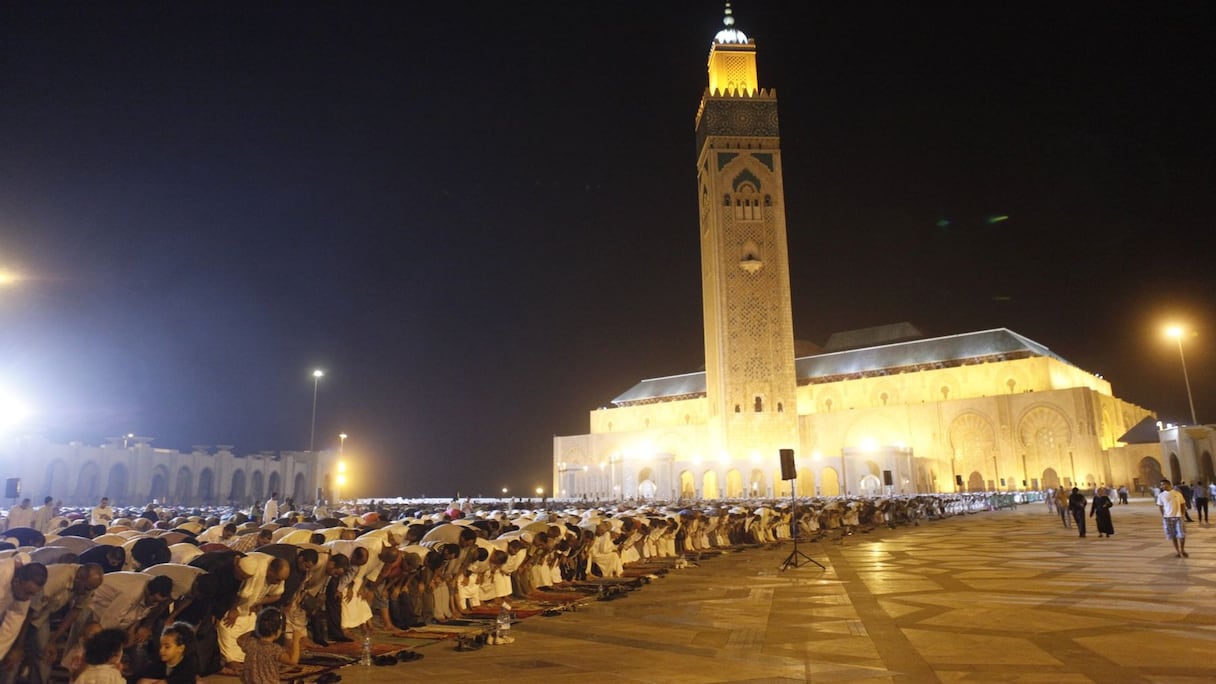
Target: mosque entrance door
646,489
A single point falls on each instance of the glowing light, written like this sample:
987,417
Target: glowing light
815,455
318,373
341,466
696,458
504,491
340,480
996,219
869,445
540,491
754,457
1174,331
12,411
8,277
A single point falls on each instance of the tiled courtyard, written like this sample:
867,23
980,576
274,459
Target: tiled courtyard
1003,596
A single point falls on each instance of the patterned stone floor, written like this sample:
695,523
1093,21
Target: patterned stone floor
1004,596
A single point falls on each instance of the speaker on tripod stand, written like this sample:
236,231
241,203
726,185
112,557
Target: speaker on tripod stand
789,473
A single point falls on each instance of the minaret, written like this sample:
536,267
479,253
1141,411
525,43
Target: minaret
749,333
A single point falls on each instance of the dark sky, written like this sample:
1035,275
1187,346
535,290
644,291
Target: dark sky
480,217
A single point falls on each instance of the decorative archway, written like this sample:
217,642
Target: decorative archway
1206,469
647,489
869,485
184,486
688,485
709,485
57,480
1175,468
1051,479
1150,472
734,484
116,485
205,483
237,492
830,482
274,485
88,484
160,484
297,492
756,485
975,482
255,485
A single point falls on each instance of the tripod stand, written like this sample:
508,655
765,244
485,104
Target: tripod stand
796,559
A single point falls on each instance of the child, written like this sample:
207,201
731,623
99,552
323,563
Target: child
262,654
178,660
103,653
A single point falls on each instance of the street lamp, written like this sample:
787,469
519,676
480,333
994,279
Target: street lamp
342,444
316,379
1175,332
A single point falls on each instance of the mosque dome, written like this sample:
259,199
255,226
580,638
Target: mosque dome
730,35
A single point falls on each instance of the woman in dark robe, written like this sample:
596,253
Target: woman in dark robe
1100,509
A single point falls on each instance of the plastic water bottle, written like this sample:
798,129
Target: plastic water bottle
504,619
367,647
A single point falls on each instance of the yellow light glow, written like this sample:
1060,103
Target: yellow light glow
318,373
340,480
1174,331
540,491
815,455
8,277
869,445
341,466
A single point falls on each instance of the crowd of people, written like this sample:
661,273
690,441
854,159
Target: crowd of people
168,594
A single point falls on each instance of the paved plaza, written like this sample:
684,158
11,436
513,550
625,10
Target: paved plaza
1002,596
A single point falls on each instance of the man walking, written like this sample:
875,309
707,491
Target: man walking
1172,507
1200,492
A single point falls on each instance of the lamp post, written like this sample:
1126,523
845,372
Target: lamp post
316,380
1175,332
341,443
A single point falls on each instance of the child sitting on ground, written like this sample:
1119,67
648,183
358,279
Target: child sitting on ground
262,654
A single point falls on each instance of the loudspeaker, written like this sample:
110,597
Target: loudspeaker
788,472
886,478
12,488
958,479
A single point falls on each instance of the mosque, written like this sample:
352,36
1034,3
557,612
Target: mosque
881,410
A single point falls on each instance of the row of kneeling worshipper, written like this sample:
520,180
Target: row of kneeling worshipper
212,573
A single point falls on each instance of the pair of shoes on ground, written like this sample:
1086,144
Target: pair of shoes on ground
499,640
408,656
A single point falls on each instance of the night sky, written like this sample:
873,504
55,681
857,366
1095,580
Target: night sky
479,218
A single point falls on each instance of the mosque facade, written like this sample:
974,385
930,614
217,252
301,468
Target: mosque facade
879,410
131,472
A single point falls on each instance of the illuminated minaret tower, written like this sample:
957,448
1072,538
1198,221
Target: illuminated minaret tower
749,332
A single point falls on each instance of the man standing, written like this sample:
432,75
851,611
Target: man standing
102,514
1172,507
21,516
44,515
270,512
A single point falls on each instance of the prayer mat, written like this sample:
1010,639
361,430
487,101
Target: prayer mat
544,596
